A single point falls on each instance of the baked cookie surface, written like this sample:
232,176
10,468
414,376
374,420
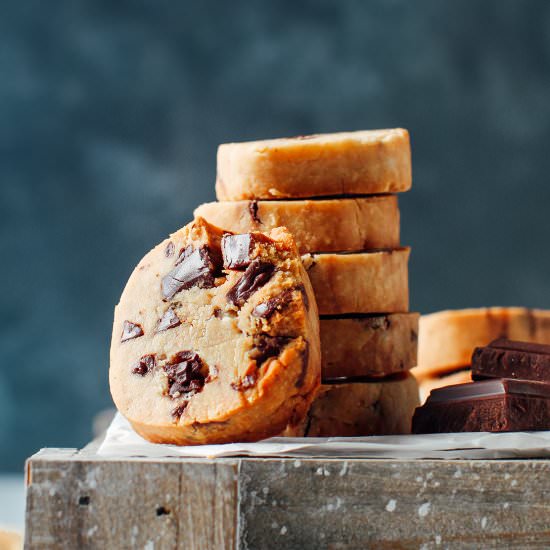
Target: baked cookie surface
347,163
216,338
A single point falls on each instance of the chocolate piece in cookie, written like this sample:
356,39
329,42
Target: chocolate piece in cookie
185,373
207,369
193,268
130,331
168,320
239,250
145,365
257,274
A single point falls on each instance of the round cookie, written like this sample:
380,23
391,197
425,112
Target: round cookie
216,338
362,408
447,338
348,163
368,345
332,225
364,282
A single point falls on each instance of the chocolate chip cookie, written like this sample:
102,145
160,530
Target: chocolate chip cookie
216,338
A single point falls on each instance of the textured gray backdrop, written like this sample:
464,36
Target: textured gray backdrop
110,113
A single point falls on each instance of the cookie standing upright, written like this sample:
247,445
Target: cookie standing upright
216,338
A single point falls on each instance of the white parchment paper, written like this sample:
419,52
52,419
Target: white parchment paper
122,441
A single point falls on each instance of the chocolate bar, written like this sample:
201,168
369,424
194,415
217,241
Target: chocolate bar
494,405
510,359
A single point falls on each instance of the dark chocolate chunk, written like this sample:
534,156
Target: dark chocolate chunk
185,374
218,312
257,274
278,302
130,331
168,320
244,383
193,268
237,249
305,359
498,405
266,347
145,365
511,359
253,209
178,411
169,250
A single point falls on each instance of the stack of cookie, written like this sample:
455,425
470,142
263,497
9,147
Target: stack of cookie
336,195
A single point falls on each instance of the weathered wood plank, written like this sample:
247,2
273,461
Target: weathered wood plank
137,504
79,500
394,504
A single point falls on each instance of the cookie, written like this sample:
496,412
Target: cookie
332,225
348,163
368,345
216,338
365,282
447,338
363,408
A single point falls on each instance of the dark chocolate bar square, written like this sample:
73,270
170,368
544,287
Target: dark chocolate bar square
497,405
509,359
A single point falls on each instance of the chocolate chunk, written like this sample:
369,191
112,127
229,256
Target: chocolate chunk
218,312
145,365
237,249
511,359
168,320
193,268
130,331
257,274
253,209
266,347
244,383
498,405
169,250
305,359
267,309
185,374
305,297
178,411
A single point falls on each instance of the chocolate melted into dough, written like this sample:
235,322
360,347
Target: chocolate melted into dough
257,274
145,365
185,374
266,347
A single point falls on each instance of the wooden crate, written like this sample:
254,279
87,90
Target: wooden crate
77,499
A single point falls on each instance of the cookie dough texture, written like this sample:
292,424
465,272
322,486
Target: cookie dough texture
373,345
366,282
363,408
216,338
447,338
362,163
333,225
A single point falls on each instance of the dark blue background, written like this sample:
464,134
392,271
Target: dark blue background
110,114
